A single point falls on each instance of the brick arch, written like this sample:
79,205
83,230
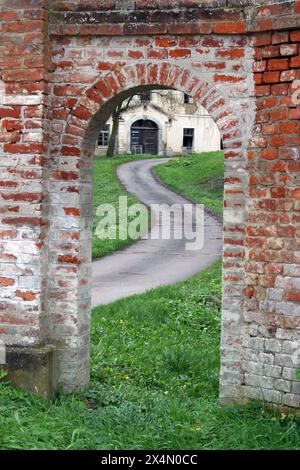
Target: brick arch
102,93
70,193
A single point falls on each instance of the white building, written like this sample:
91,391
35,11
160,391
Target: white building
162,122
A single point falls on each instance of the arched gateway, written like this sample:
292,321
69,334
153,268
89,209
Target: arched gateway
64,66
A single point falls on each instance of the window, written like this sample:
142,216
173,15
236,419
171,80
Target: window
104,136
188,138
187,99
145,97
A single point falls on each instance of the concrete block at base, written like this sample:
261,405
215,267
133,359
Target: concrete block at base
32,369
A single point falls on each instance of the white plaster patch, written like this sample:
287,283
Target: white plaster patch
25,100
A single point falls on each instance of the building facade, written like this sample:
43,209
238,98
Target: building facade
162,122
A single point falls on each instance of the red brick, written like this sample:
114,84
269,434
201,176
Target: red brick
288,75
26,296
228,78
280,37
271,77
258,78
278,64
280,89
295,62
212,42
288,128
24,148
278,192
278,114
292,296
72,211
187,41
234,53
135,54
82,113
31,221
104,90
24,26
94,95
14,112
166,42
262,39
260,66
277,141
67,90
23,197
270,129
157,54
267,52
9,15
70,151
23,75
295,36
180,53
296,194
68,259
189,28
294,113
59,114
64,175
227,28
262,90
7,234
293,167
6,282
289,49
269,154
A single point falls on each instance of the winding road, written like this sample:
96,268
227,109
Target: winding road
150,262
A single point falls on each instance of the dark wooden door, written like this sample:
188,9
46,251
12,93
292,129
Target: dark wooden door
145,136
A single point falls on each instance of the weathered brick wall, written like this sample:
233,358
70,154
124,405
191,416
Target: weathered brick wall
125,63
244,74
271,351
24,140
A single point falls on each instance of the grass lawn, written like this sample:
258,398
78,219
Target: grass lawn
107,190
155,368
199,177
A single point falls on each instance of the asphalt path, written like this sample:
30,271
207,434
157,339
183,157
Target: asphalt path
156,260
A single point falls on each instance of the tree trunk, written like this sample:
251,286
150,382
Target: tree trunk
113,137
115,127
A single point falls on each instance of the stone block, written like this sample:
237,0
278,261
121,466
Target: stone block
32,369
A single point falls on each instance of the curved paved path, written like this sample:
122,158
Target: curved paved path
151,263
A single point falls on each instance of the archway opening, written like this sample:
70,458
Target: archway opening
91,114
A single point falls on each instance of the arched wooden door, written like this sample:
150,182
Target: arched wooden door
144,137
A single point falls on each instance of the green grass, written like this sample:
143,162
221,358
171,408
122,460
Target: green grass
151,388
107,190
199,177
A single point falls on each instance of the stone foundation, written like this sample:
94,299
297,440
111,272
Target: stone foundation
32,369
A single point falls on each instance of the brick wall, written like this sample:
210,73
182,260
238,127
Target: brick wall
245,75
24,140
272,242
